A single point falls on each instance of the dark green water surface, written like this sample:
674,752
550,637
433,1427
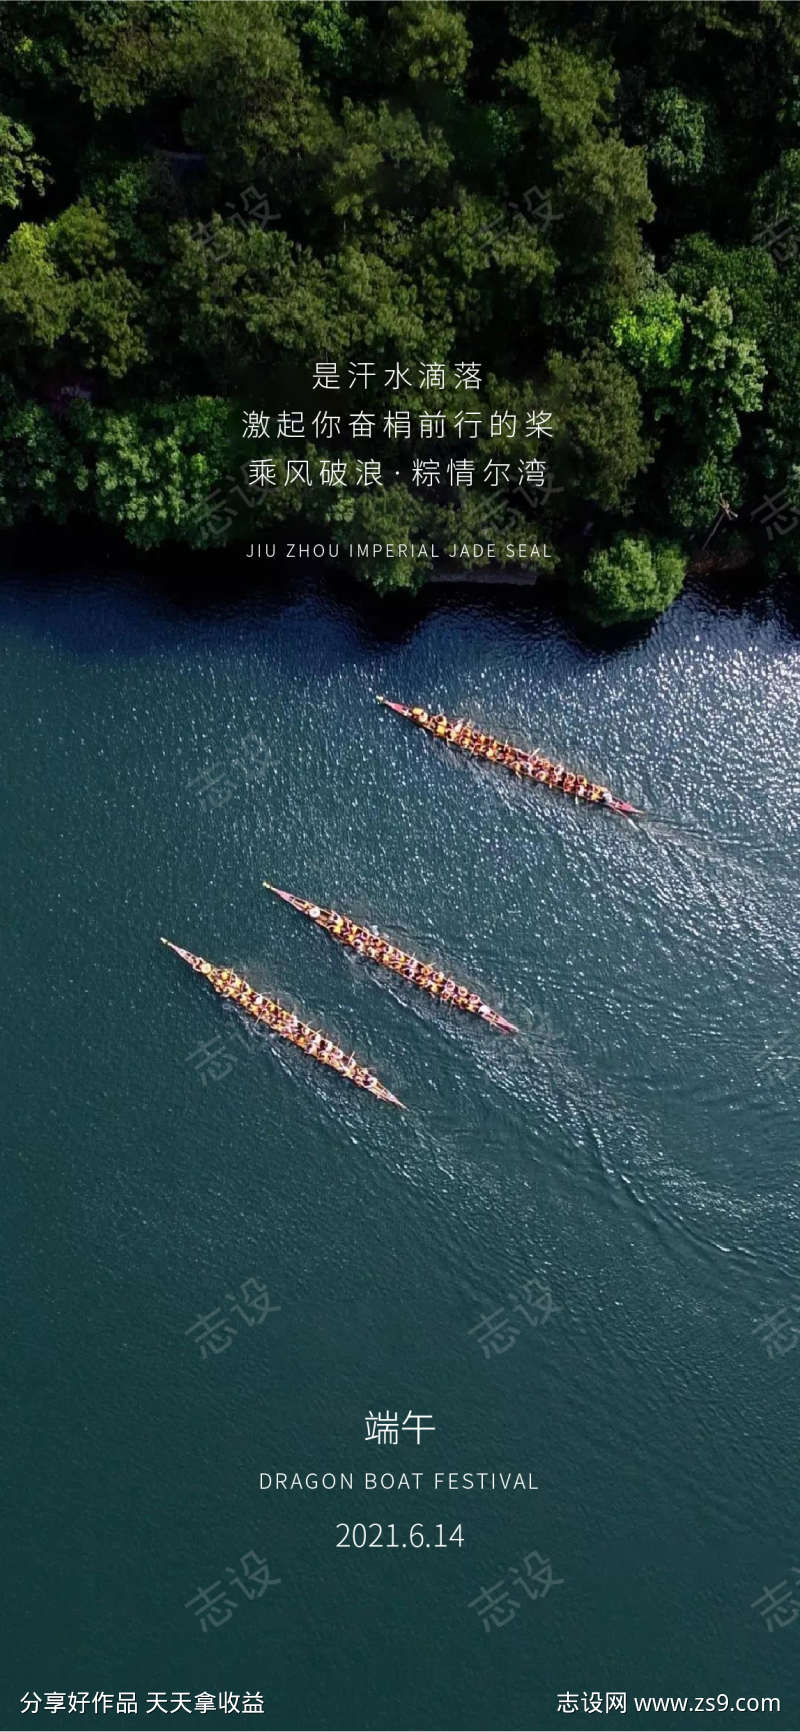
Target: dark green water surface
634,1151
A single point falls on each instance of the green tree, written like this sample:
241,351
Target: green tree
384,157
35,302
694,493
597,404
678,135
650,337
41,467
249,104
633,579
20,164
721,374
776,200
162,474
235,295
747,274
333,36
429,42
701,372
61,291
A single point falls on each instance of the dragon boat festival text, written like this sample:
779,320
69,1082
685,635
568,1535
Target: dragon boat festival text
367,1480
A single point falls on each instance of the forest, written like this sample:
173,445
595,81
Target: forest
596,203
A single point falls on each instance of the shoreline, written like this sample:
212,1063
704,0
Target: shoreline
44,553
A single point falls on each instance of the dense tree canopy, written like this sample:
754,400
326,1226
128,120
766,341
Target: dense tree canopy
599,203
633,578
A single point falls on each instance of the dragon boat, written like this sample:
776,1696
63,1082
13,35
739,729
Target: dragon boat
380,949
282,1022
514,758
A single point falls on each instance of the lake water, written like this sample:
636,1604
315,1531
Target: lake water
631,1157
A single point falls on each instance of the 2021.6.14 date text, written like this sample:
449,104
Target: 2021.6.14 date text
359,1533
